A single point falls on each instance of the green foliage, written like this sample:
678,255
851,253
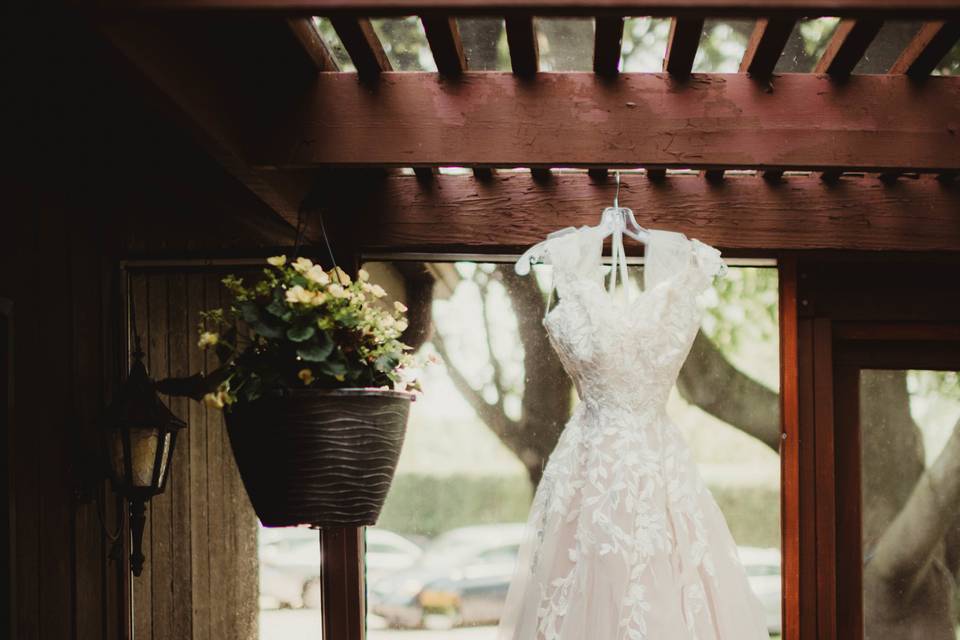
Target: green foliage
301,326
428,505
745,309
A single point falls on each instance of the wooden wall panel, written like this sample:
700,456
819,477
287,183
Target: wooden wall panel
200,579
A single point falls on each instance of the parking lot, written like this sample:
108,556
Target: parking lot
297,624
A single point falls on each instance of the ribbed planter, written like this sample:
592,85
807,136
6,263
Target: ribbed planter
320,457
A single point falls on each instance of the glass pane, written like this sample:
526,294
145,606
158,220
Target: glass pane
644,44
950,65
886,47
910,451
334,44
289,583
722,44
405,43
806,44
484,44
493,408
566,44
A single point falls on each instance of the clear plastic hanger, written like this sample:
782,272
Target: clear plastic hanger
615,220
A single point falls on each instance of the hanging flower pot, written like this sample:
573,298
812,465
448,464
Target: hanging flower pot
316,387
329,458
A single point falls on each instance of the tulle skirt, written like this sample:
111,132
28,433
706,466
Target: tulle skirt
625,541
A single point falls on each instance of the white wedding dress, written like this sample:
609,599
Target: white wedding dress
625,541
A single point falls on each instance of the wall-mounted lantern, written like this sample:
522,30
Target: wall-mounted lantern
140,433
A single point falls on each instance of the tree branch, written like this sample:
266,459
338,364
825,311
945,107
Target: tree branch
492,415
905,550
710,382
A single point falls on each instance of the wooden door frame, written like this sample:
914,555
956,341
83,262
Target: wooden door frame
853,314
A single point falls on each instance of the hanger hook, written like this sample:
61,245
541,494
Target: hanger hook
616,197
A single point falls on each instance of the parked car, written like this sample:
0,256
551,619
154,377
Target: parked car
290,563
461,579
763,573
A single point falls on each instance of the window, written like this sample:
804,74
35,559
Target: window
465,479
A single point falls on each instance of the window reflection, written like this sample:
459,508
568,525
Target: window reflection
910,453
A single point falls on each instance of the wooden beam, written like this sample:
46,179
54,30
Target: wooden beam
444,38
607,43
204,74
363,45
765,46
847,45
927,49
313,45
723,121
923,9
682,46
458,213
522,41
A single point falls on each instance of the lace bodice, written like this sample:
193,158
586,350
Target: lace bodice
624,351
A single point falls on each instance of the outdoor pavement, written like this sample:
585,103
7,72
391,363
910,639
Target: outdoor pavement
297,624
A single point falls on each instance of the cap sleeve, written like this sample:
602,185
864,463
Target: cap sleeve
708,264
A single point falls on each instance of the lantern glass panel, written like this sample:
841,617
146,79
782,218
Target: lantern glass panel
143,455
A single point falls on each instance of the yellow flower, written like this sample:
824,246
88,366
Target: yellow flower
399,306
208,339
297,294
277,261
340,377
214,400
378,291
318,299
363,275
339,275
317,274
306,375
302,265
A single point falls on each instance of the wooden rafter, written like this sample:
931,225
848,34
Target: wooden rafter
304,31
927,49
607,43
724,121
444,38
682,46
522,42
924,9
765,46
847,46
741,213
211,80
363,45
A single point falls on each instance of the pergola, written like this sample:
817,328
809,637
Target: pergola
828,164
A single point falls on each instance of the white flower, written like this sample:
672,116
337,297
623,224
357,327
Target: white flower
378,291
297,294
318,299
277,261
399,306
215,400
337,291
317,274
401,325
208,339
302,265
339,275
362,275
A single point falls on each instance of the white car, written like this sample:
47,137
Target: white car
763,573
290,563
